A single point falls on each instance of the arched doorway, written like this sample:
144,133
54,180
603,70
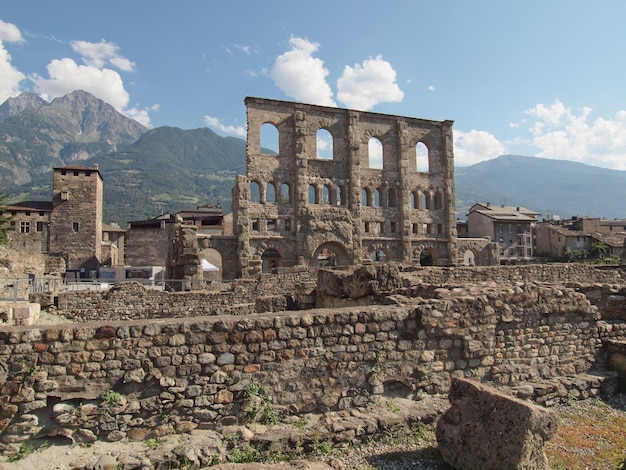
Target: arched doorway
270,259
378,256
469,258
329,254
211,261
426,258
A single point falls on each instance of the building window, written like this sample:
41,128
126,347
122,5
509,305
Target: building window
40,226
415,229
440,228
367,227
75,226
287,225
429,228
76,173
65,195
24,227
392,227
255,224
271,225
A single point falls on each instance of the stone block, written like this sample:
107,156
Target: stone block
485,429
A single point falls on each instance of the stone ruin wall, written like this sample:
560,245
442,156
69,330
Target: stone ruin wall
183,373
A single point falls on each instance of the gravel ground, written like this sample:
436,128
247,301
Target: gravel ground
591,435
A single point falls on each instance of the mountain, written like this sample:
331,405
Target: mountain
18,104
36,136
550,187
170,169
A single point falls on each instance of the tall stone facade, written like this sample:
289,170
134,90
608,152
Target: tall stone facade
76,218
301,208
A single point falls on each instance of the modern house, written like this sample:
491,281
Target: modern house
509,226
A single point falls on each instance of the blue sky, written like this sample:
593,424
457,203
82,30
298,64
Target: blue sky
538,78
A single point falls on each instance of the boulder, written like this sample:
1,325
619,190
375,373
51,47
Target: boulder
486,429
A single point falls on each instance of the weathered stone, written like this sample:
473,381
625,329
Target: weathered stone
485,429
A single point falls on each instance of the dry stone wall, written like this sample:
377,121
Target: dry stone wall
115,380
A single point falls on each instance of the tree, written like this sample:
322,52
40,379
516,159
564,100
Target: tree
599,249
5,220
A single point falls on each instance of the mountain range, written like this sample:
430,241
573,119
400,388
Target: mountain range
167,169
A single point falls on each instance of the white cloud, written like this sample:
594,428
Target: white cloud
10,33
245,49
215,123
10,77
563,133
99,54
65,76
300,75
475,146
365,85
431,88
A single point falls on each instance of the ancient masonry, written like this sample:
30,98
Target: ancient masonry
384,334
77,216
301,208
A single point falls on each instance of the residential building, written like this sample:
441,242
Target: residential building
509,226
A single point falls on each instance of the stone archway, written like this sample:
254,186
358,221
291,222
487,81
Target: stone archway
426,258
469,258
211,261
426,255
270,260
329,254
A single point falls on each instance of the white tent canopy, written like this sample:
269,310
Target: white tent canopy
206,266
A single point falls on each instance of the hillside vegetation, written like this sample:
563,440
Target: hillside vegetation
167,169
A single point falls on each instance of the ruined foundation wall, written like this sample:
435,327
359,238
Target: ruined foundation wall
561,273
184,373
130,300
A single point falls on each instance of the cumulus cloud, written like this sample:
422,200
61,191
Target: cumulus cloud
10,77
564,133
365,85
99,54
475,146
66,76
300,75
95,77
239,131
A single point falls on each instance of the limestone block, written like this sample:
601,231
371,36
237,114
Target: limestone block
486,429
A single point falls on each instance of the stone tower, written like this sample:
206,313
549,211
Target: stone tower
76,230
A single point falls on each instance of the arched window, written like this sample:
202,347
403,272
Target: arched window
285,194
365,199
375,153
421,157
255,192
269,139
324,144
438,200
425,201
339,196
270,193
313,195
414,200
377,198
326,195
391,197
